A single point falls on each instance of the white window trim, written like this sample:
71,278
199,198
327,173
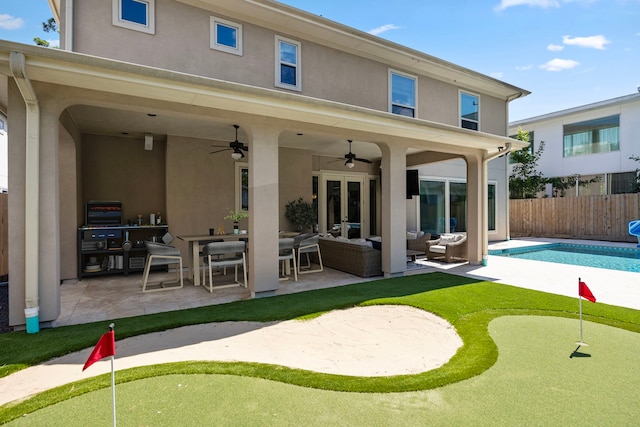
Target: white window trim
213,43
278,82
466,92
150,28
415,90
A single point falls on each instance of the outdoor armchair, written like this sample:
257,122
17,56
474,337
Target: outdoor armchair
161,254
222,255
449,247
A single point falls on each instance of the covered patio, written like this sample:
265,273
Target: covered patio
60,97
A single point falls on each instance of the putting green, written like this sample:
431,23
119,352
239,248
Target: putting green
539,379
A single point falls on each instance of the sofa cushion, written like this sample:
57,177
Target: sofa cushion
447,238
439,249
411,235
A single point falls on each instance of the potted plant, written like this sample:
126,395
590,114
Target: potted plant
300,213
236,216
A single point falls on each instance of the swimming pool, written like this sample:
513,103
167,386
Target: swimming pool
610,258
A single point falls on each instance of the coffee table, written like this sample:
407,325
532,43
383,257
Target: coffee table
413,254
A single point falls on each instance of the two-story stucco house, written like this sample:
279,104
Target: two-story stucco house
594,141
136,103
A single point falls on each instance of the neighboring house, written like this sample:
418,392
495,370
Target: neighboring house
594,141
141,92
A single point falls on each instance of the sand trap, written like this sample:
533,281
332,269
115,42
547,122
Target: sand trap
362,341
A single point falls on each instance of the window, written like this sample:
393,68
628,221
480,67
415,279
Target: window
402,94
592,136
242,186
443,206
622,182
288,64
226,36
136,15
469,111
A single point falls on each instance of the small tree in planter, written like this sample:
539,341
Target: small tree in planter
236,216
300,213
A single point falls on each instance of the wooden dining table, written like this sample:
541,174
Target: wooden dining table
198,240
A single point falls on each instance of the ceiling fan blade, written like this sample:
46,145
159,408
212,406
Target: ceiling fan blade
218,151
362,160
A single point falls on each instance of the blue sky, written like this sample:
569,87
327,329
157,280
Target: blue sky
566,52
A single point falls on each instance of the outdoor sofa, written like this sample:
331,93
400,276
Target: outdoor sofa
355,256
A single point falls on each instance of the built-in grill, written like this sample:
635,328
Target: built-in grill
103,213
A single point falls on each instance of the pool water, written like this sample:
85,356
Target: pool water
610,258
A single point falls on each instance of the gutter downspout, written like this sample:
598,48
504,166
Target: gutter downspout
17,65
485,196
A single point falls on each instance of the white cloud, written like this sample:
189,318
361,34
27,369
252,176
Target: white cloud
592,42
559,64
497,75
555,47
504,4
524,67
8,22
54,43
383,29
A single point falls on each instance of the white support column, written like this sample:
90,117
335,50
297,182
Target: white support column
263,209
477,220
394,210
49,229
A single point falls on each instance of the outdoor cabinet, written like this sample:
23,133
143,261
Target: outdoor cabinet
115,249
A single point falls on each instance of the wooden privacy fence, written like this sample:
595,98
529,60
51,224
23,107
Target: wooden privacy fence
586,217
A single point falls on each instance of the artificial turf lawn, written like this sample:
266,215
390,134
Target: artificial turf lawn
538,379
466,303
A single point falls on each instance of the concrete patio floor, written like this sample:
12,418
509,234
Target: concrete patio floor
110,297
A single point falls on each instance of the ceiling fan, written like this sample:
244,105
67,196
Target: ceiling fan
351,157
236,146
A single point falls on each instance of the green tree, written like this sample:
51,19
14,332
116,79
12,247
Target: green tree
49,26
525,182
635,185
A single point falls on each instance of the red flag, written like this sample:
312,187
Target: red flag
106,347
585,292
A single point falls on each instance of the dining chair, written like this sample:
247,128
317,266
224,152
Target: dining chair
309,246
222,255
161,254
286,254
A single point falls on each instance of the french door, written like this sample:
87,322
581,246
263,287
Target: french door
343,212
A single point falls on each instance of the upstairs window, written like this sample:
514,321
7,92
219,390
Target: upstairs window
138,15
469,111
288,64
226,36
402,94
592,136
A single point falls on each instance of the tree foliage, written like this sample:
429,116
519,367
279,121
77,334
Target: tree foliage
48,26
635,186
525,182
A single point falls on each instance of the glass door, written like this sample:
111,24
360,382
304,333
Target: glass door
343,206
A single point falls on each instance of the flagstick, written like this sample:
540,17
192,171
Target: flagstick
581,343
113,385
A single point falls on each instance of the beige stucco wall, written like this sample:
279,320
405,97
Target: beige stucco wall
121,169
181,43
